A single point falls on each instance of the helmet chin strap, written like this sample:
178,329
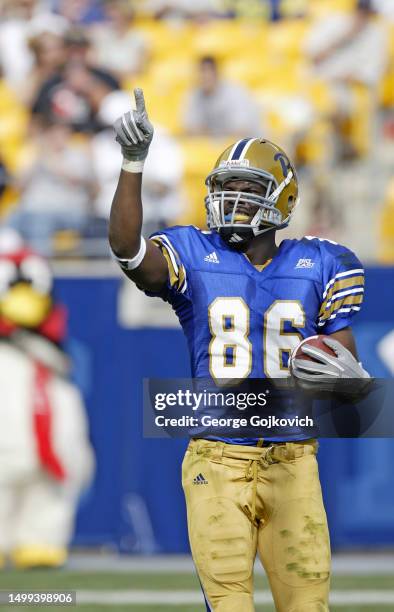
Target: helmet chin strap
256,224
239,240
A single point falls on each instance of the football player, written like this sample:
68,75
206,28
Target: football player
245,303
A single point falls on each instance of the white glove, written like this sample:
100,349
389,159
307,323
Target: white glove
134,131
340,373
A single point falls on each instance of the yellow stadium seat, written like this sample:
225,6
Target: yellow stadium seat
286,38
199,157
226,39
164,99
286,76
8,201
386,93
293,8
250,71
315,147
177,72
320,96
320,8
386,228
249,9
218,39
360,121
13,126
167,38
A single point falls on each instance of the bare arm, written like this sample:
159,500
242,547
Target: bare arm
345,337
125,234
134,134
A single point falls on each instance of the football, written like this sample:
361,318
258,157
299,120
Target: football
316,341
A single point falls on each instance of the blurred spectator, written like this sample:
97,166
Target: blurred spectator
4,179
289,9
252,9
49,53
13,126
349,47
23,19
181,9
220,108
56,189
161,184
118,46
384,7
70,93
348,50
80,12
323,218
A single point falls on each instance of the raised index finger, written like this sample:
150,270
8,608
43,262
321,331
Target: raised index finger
139,99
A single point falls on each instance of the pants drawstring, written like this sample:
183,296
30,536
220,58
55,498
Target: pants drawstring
275,453
251,474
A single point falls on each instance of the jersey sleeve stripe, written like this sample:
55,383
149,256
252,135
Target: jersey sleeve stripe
173,274
349,300
182,282
163,240
344,282
176,269
358,271
340,294
340,311
340,285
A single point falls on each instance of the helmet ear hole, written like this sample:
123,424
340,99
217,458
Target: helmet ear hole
290,203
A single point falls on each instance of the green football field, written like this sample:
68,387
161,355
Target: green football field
101,591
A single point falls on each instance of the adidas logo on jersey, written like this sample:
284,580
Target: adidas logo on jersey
212,258
198,480
305,263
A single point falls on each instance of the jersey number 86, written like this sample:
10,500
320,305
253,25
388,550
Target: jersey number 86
230,348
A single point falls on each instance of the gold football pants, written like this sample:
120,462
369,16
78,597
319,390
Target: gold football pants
245,499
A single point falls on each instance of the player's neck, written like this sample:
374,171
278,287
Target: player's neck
262,248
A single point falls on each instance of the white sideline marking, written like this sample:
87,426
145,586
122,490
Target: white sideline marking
342,564
179,598
361,598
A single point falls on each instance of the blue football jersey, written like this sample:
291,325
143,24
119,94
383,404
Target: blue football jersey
242,321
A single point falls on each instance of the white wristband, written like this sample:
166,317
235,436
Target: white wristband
134,262
133,166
